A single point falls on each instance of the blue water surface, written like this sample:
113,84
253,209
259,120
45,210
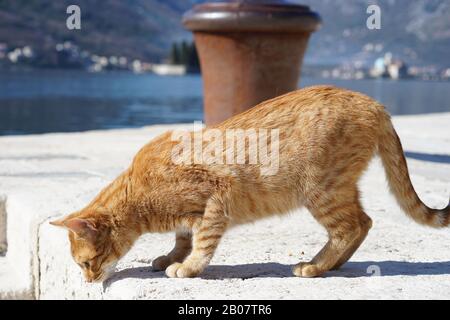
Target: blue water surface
67,101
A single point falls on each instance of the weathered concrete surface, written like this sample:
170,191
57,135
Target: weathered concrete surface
45,176
3,242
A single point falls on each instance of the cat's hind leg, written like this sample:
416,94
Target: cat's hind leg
206,238
183,246
366,224
347,226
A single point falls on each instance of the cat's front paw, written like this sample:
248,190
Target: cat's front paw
161,263
181,270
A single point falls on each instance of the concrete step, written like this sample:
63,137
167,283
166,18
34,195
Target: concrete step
3,242
18,236
13,283
48,176
44,176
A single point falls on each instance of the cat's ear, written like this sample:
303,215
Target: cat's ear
58,223
83,228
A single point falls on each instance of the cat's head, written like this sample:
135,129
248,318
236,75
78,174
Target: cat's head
92,243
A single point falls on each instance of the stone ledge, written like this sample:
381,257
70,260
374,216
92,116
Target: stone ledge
3,242
49,175
12,284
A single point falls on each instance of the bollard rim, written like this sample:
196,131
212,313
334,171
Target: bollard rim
251,17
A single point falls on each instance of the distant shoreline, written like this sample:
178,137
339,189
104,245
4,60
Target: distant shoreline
188,74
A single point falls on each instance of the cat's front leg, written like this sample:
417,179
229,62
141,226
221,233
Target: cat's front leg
206,238
183,246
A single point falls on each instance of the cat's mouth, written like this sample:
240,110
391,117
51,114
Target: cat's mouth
100,278
105,274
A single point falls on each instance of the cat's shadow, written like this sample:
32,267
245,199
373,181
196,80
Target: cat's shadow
277,270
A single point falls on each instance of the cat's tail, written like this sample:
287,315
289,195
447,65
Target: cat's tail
391,153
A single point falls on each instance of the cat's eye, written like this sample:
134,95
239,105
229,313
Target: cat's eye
86,265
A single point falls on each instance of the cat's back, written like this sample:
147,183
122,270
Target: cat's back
311,104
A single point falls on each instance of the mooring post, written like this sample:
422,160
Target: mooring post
249,51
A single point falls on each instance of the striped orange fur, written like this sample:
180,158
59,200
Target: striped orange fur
327,138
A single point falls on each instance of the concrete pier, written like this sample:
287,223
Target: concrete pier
47,176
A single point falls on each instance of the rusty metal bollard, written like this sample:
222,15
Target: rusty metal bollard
249,51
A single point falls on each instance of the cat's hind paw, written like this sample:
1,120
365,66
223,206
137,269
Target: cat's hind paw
181,270
307,270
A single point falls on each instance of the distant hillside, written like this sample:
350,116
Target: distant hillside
142,29
416,30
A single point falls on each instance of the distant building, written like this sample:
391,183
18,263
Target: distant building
169,69
388,67
27,52
379,68
15,55
397,70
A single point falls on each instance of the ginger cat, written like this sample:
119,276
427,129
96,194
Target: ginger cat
327,136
